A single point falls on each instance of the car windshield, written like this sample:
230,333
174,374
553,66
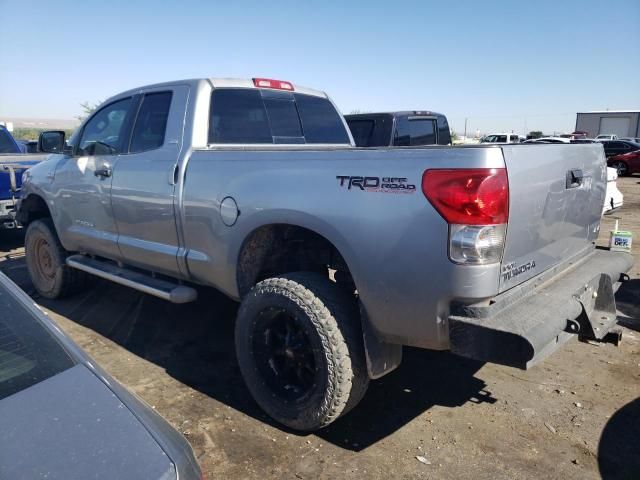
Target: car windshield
29,353
7,145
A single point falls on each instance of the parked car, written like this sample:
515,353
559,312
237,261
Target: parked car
399,129
501,138
625,163
549,140
607,137
613,197
618,147
631,139
63,417
13,163
339,255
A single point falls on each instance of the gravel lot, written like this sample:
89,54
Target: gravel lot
576,415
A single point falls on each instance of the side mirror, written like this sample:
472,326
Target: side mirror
51,142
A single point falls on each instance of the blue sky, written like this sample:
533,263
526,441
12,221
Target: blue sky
503,65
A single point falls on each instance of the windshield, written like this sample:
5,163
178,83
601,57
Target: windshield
29,353
7,145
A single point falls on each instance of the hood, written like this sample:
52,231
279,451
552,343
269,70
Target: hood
73,426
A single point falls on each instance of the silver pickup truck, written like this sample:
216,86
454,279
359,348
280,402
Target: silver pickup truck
338,255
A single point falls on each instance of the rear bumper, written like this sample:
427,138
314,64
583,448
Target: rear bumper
527,323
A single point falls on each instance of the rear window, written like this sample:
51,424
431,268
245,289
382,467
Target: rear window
361,130
28,352
251,116
7,145
415,132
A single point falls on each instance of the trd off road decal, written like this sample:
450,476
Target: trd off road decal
510,270
376,184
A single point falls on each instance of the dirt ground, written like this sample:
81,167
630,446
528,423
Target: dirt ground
576,415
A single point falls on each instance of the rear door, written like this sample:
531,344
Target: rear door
556,194
144,181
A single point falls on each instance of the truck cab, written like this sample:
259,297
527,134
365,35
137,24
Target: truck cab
399,129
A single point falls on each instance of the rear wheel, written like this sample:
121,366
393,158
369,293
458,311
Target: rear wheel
46,257
300,350
621,168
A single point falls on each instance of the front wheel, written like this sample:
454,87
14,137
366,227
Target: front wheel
621,168
300,349
46,262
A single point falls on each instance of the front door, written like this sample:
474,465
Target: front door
83,182
144,182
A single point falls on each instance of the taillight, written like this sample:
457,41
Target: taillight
475,204
269,83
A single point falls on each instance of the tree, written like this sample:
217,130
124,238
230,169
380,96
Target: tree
535,134
87,109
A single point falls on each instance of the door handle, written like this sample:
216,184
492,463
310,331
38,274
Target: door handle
574,178
104,171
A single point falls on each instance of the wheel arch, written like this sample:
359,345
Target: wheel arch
281,247
32,207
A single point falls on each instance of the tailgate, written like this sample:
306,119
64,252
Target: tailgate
556,194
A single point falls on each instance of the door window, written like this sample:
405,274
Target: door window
104,133
151,122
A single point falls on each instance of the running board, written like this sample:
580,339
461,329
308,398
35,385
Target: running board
129,278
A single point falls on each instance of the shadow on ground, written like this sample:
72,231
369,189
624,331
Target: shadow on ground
194,344
628,303
619,450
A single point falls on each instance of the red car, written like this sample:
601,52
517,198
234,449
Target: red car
625,163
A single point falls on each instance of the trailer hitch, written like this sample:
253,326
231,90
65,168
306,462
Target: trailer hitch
597,320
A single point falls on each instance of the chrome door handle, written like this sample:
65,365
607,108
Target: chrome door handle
104,171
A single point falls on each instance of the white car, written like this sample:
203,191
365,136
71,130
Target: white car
501,138
607,137
613,196
549,140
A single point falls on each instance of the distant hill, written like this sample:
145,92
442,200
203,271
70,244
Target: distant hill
42,123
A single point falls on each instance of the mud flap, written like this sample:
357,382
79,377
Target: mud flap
382,357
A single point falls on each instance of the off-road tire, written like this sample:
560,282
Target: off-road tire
329,317
46,257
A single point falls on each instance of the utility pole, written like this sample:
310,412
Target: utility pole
465,129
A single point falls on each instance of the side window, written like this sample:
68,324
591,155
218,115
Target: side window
151,122
103,134
415,132
444,135
238,116
514,139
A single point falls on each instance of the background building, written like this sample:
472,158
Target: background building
624,123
